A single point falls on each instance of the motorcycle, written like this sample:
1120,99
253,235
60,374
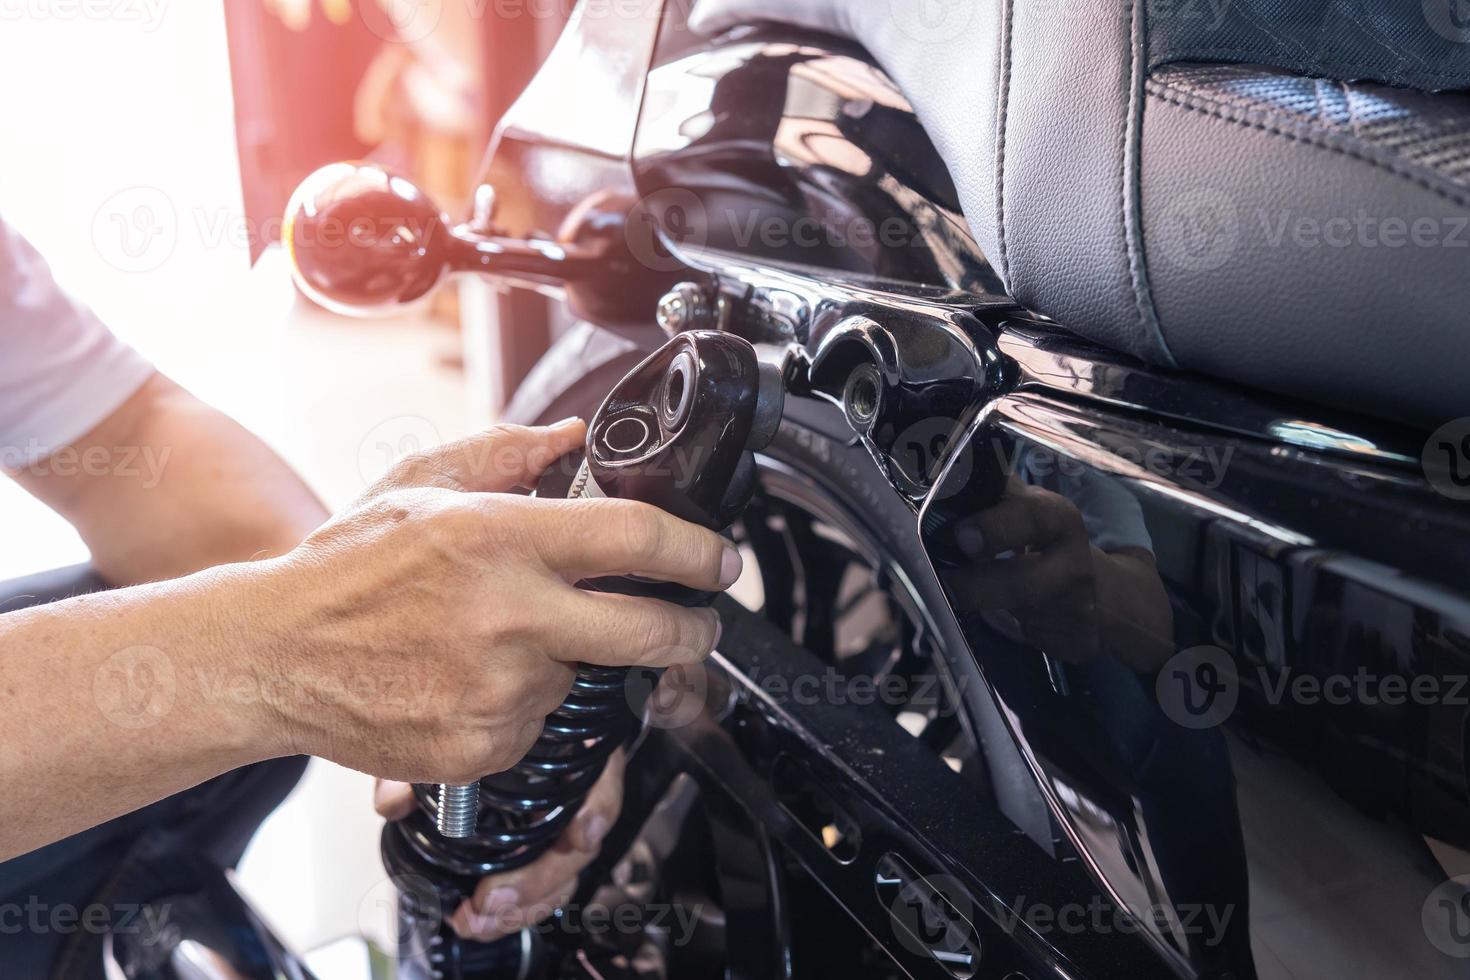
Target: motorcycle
1052,662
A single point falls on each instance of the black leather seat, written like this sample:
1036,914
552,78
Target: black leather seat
1222,199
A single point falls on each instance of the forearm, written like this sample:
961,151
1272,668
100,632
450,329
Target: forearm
168,486
1137,621
111,702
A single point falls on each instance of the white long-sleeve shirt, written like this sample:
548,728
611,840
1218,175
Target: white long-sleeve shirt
61,370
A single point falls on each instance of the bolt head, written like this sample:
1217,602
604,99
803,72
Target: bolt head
682,308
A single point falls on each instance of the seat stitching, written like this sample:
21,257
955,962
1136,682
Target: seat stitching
1132,193
1000,165
1164,95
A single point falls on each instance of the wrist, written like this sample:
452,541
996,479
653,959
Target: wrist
239,667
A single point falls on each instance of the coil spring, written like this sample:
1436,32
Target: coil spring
525,809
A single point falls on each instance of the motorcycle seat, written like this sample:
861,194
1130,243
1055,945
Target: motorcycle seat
1277,195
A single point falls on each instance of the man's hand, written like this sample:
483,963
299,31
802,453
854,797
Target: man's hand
450,605
1031,558
505,904
423,636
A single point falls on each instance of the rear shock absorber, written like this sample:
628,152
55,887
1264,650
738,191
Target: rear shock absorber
679,432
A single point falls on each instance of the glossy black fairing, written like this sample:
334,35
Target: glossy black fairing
800,154
1224,637
1239,672
1150,534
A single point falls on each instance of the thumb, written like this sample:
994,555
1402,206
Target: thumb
501,458
393,801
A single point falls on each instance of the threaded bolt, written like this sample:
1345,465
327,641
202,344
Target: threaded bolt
459,810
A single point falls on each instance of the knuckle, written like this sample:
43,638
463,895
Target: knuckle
524,736
709,552
503,519
701,636
551,694
642,532
654,631
466,760
518,627
411,470
507,445
502,432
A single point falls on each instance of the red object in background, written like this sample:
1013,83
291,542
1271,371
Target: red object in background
295,93
293,104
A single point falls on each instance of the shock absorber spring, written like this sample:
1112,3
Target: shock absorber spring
679,432
525,809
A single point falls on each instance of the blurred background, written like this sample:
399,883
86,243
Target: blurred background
151,148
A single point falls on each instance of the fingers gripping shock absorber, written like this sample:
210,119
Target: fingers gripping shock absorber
679,432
